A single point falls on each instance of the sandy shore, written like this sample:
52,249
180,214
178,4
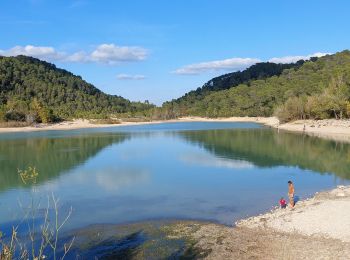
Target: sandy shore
317,228
338,130
81,123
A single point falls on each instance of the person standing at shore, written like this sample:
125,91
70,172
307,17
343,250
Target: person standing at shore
291,193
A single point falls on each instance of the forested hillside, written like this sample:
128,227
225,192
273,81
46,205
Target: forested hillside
31,89
319,88
261,70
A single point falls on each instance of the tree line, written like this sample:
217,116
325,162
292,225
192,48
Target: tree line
314,89
34,90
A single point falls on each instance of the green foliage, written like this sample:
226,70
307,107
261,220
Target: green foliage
331,103
319,88
45,93
29,174
2,113
13,115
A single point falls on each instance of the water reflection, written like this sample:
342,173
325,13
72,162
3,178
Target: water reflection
268,148
122,175
51,156
213,161
113,178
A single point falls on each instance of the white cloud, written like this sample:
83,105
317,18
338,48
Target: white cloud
235,64
105,53
227,64
130,77
110,53
289,59
41,52
79,56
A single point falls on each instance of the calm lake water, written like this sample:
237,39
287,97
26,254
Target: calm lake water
206,171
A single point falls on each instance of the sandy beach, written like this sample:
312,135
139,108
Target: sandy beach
338,130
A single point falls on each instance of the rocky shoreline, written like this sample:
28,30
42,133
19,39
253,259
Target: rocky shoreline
317,228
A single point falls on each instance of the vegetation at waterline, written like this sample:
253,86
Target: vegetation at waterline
316,89
36,91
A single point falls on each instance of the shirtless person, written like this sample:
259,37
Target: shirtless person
291,193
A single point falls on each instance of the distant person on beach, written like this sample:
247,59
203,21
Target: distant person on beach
283,203
291,193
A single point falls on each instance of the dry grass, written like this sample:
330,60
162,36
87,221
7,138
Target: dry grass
47,234
107,121
13,124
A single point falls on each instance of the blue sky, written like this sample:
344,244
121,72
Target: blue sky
158,50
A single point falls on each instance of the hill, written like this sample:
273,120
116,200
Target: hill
318,89
257,71
37,89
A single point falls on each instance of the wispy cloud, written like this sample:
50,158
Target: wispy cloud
130,77
104,53
114,179
227,64
77,3
23,22
289,59
235,64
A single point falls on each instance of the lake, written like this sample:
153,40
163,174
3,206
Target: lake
212,171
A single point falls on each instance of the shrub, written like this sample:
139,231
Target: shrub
293,109
348,108
14,115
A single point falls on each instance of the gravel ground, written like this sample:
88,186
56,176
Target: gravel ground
222,242
325,215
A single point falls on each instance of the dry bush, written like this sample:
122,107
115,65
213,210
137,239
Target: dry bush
47,235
